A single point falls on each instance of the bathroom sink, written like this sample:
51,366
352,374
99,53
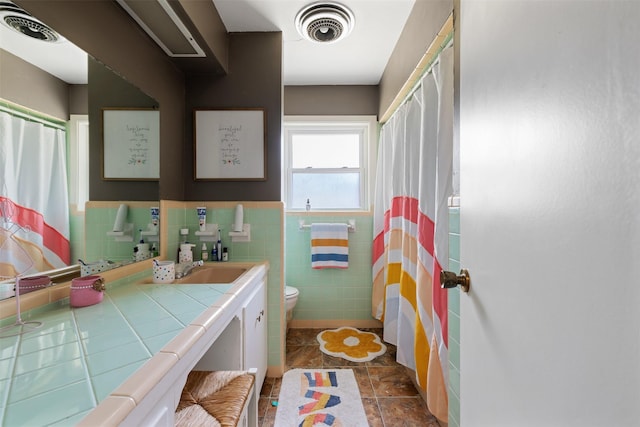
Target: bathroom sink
209,273
212,274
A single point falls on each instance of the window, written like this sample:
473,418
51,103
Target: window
328,162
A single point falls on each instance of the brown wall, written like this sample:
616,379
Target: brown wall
29,86
106,32
254,81
78,99
426,19
331,100
108,90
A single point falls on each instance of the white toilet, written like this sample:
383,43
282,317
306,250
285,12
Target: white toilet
291,297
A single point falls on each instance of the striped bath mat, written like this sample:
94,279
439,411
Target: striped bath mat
329,245
314,397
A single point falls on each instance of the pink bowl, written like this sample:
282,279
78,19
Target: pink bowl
30,284
85,291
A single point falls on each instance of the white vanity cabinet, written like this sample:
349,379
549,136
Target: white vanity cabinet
230,335
255,333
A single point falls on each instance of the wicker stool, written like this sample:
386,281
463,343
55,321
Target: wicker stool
214,398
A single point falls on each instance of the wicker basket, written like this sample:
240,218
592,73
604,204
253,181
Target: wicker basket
214,398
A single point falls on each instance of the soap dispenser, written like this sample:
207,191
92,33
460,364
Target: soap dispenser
186,254
204,254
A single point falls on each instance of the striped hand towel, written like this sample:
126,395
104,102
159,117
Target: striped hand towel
329,245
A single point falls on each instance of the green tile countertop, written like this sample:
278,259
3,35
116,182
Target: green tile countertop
56,374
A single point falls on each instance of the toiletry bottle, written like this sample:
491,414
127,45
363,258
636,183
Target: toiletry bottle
186,253
205,254
308,207
225,254
219,247
214,253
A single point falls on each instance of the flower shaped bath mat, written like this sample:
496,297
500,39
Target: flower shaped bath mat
351,344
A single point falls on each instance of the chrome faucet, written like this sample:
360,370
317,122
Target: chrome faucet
184,268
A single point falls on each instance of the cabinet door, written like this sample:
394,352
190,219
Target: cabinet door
255,334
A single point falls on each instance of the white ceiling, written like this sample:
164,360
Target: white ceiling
358,59
63,59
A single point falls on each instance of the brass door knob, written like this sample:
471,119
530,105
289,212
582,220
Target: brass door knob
449,279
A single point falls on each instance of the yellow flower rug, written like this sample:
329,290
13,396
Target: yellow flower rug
320,397
351,344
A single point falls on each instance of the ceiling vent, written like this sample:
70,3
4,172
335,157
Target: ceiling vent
19,20
158,19
325,22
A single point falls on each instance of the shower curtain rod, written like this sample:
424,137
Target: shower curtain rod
441,41
31,115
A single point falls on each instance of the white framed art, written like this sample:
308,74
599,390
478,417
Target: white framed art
230,144
131,144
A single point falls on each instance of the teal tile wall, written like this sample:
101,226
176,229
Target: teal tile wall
99,220
454,320
330,294
265,245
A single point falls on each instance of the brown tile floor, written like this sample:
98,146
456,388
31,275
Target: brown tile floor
388,395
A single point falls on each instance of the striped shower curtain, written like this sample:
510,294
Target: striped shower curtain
34,201
410,248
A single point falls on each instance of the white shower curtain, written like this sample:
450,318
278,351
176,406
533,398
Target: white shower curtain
34,202
413,183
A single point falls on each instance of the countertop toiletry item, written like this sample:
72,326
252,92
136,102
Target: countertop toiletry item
164,271
225,254
155,217
308,205
202,218
142,252
204,254
92,268
214,253
186,254
184,232
219,247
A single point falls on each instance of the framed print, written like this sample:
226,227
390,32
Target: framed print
230,145
131,144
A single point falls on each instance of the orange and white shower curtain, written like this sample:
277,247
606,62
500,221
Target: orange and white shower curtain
410,248
34,201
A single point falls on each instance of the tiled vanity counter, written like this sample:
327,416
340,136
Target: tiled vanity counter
124,361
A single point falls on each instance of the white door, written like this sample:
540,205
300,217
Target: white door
549,125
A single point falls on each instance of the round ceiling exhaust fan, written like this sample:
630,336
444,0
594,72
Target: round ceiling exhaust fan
325,22
19,20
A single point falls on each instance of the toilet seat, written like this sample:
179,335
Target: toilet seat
290,292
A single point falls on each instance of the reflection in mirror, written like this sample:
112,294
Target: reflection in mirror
118,233
56,235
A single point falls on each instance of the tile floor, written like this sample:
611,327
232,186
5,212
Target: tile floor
388,395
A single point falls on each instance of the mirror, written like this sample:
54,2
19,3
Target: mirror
104,89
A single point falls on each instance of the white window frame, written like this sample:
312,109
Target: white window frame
78,161
368,125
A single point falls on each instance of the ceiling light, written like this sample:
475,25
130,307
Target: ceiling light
325,22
